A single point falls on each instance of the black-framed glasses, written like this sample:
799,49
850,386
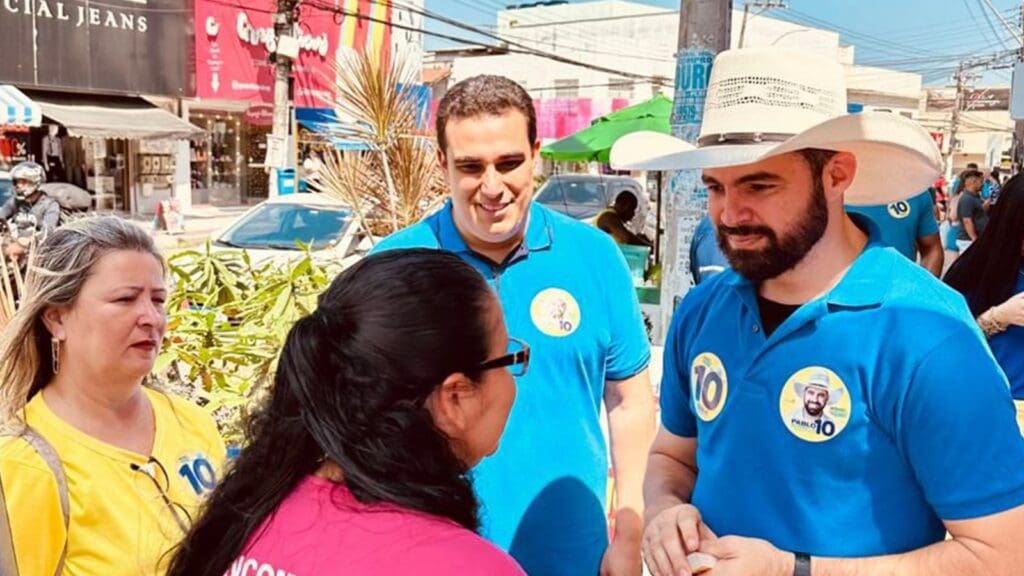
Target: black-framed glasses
517,360
156,472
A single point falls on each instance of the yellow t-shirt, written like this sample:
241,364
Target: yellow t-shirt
119,523
1020,414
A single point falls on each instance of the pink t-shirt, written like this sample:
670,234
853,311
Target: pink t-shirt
321,529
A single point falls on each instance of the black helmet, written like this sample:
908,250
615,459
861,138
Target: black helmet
31,174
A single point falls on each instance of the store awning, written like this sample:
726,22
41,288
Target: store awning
17,109
114,117
325,123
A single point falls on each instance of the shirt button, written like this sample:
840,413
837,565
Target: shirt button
756,328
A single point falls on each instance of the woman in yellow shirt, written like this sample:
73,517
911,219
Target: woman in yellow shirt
73,360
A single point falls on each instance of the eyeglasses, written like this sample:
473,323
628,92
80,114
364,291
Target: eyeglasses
517,360
156,472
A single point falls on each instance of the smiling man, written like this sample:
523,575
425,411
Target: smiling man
566,290
829,408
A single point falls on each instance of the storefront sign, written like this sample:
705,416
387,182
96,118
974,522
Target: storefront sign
260,115
124,46
974,99
235,44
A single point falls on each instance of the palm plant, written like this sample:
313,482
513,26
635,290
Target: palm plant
396,181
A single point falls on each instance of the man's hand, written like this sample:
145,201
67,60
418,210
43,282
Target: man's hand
747,557
1012,311
670,536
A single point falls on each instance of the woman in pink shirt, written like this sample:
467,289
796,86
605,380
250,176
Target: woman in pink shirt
384,398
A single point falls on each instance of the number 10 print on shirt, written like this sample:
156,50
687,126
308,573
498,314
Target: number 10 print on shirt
710,386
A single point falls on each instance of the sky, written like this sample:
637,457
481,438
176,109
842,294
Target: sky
925,36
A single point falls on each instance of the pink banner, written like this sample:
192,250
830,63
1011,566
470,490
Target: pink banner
561,117
234,44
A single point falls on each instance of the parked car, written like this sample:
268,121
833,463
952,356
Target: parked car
271,230
584,196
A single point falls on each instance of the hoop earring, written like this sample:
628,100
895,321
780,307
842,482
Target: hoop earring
55,354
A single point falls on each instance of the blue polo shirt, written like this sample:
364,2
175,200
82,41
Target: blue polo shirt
902,224
706,258
1008,348
567,292
913,422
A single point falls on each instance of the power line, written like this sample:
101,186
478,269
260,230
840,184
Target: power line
319,4
574,32
991,25
603,19
548,55
1013,33
869,39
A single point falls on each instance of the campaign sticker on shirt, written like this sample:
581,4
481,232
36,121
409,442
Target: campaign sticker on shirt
899,210
196,469
555,312
815,404
710,386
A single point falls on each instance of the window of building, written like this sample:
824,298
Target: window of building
567,88
620,88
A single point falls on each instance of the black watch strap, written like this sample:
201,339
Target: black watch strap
802,567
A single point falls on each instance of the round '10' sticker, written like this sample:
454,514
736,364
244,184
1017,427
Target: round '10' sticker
555,312
899,210
709,386
815,404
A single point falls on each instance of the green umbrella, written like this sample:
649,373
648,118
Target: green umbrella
595,142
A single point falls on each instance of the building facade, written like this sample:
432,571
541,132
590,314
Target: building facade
630,48
105,79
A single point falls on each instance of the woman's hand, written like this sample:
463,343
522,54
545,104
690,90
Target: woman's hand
1011,312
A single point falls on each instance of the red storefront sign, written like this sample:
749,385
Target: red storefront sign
260,115
234,44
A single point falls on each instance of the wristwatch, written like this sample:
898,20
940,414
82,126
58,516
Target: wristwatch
802,567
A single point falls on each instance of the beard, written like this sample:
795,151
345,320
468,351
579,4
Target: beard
782,253
814,409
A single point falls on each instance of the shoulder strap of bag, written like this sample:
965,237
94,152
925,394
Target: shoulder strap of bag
52,460
8,563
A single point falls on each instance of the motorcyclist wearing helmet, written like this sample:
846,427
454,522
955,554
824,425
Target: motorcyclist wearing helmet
29,211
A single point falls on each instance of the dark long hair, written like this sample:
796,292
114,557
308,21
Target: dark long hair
986,273
350,387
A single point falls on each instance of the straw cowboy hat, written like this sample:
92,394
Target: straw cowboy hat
763,102
819,379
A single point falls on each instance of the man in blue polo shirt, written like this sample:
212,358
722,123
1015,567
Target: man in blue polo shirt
910,227
828,407
566,290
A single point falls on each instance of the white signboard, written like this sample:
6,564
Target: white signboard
1017,92
277,152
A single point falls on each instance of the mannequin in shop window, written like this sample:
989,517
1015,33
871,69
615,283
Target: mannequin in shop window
53,155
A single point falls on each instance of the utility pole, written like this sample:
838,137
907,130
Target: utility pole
284,24
1018,131
704,31
954,128
764,6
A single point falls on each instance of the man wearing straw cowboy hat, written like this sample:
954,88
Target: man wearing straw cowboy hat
920,437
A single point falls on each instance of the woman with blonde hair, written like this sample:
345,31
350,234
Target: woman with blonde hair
100,474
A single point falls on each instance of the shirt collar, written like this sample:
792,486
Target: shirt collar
539,232
862,285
